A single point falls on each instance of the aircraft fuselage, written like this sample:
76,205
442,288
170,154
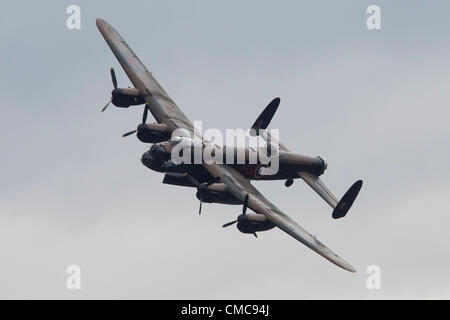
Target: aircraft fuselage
159,159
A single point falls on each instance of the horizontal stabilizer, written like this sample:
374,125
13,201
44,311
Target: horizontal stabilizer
340,208
347,200
318,186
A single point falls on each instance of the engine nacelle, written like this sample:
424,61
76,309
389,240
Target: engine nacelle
157,158
177,179
153,132
125,97
216,193
253,222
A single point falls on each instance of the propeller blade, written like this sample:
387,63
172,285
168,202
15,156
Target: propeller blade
129,133
104,108
144,115
244,208
196,184
254,233
114,79
229,224
192,179
201,201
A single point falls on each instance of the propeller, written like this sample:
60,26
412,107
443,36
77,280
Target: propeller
126,134
145,113
244,210
114,81
104,108
200,187
201,202
229,224
113,78
144,119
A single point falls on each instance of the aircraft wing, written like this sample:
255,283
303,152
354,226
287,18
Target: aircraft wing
160,104
239,186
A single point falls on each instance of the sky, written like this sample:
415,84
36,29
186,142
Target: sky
373,103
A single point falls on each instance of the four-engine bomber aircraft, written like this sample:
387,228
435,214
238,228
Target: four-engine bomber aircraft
219,183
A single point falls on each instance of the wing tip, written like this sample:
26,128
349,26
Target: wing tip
102,25
351,269
343,264
337,260
99,22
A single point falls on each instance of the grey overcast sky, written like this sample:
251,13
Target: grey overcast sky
375,104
